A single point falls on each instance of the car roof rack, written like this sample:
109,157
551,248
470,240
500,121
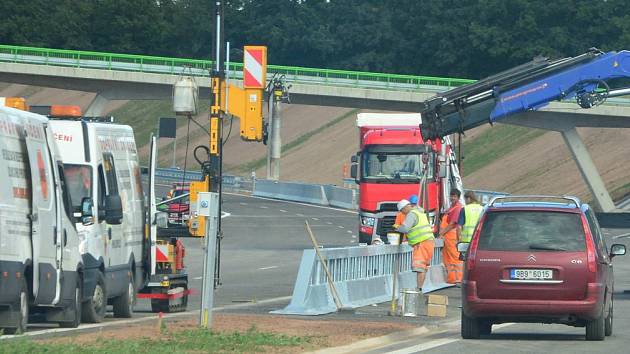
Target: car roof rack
536,198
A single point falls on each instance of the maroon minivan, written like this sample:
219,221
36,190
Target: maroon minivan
538,259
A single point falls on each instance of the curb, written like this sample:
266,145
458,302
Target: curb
374,343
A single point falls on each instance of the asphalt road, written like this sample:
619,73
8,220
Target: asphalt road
262,247
538,338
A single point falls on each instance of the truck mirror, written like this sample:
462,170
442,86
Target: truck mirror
353,172
354,159
86,215
113,210
442,172
161,220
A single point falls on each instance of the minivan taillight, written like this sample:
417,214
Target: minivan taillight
591,258
472,249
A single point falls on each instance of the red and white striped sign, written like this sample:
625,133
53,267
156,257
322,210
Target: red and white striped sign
255,67
161,253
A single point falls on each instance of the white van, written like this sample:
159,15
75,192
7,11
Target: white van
40,266
101,164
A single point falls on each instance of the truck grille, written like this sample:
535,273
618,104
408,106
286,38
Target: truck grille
388,207
385,225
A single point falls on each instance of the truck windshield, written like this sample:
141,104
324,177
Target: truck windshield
394,167
79,182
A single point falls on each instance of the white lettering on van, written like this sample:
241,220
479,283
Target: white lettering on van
489,260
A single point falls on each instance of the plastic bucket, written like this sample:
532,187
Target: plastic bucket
393,238
412,302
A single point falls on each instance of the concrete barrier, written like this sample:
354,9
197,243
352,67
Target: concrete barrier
341,197
362,276
298,192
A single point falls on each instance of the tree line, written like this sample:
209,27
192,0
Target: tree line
456,38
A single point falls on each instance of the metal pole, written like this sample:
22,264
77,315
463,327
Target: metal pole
270,119
276,141
174,151
210,210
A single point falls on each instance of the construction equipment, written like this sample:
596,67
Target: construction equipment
586,78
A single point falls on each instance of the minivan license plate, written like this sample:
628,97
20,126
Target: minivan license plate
531,274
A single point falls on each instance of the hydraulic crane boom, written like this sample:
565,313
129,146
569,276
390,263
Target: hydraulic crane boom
587,78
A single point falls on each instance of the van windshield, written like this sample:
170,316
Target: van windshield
79,182
530,231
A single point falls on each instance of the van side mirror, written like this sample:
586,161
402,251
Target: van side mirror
617,250
87,214
161,220
462,247
113,210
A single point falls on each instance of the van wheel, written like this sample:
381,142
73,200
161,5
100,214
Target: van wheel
75,307
595,328
608,324
94,308
21,313
123,305
471,328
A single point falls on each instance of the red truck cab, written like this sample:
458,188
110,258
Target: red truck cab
389,167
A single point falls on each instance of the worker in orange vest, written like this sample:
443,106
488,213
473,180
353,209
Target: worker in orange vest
448,232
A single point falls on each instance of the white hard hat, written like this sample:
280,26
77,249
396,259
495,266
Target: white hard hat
403,203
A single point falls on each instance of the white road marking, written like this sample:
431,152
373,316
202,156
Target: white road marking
282,210
622,235
225,214
354,236
300,215
264,207
290,202
329,222
265,268
439,342
316,219
341,227
349,231
197,278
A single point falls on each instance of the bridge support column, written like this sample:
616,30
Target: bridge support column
588,170
276,140
97,106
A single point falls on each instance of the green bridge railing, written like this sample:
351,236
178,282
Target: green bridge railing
155,64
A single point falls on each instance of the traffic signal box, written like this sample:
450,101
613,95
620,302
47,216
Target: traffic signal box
197,224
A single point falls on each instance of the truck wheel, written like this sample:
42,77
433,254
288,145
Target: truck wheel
608,324
471,328
21,313
75,307
123,305
595,328
94,308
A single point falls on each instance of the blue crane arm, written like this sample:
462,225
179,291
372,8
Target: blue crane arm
531,86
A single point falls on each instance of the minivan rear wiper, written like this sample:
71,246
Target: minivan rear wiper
537,246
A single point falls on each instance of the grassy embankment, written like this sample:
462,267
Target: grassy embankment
188,341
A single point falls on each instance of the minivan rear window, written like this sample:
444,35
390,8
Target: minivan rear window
531,231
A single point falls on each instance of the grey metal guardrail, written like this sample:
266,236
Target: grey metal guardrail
362,276
170,175
320,194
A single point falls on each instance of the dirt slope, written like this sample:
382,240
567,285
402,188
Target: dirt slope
542,165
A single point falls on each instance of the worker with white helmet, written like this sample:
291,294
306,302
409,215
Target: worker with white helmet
420,237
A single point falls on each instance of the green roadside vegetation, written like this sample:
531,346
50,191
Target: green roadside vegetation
187,341
256,164
494,143
143,116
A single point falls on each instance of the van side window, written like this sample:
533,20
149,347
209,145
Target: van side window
101,187
598,238
110,174
67,200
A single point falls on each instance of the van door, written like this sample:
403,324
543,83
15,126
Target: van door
45,238
152,223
